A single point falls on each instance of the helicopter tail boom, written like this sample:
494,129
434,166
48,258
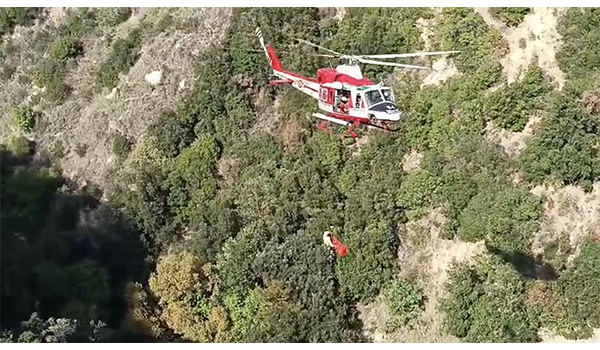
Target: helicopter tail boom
306,85
269,51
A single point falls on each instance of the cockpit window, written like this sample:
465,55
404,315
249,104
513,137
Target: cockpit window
373,97
387,95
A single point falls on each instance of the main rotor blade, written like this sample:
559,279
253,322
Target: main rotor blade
287,52
320,47
416,54
392,64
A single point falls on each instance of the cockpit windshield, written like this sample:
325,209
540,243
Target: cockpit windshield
387,95
373,97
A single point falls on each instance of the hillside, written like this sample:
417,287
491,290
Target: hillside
155,187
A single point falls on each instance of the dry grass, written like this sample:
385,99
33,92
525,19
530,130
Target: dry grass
535,38
88,118
513,143
569,213
412,161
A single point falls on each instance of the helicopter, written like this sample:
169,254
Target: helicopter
344,94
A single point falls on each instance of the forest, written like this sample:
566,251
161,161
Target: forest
210,228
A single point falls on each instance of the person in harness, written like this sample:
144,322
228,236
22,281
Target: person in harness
344,105
338,248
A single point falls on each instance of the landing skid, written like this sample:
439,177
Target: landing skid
350,122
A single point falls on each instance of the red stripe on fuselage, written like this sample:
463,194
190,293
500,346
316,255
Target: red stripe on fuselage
312,80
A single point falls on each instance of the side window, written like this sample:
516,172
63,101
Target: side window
323,94
358,102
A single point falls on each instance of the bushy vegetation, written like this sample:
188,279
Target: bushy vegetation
112,16
576,317
121,145
486,304
25,118
63,51
512,106
64,48
124,53
504,217
480,45
512,16
404,300
13,16
230,218
565,151
580,30
19,145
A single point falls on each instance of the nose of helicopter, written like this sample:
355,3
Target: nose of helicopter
391,116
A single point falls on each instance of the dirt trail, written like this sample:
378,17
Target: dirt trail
535,37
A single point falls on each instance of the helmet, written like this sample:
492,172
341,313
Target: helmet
344,99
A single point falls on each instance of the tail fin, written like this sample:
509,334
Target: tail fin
269,51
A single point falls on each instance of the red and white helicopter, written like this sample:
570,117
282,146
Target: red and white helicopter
343,93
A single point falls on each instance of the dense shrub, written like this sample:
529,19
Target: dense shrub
112,16
79,22
13,16
417,191
172,135
124,53
50,75
565,150
503,216
25,118
512,16
403,299
370,260
465,30
485,303
579,56
191,179
572,309
65,47
19,145
511,106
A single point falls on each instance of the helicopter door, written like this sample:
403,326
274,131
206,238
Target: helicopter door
323,96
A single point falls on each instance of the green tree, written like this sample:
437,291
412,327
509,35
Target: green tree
485,303
564,151
572,307
403,299
512,16
370,260
504,217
